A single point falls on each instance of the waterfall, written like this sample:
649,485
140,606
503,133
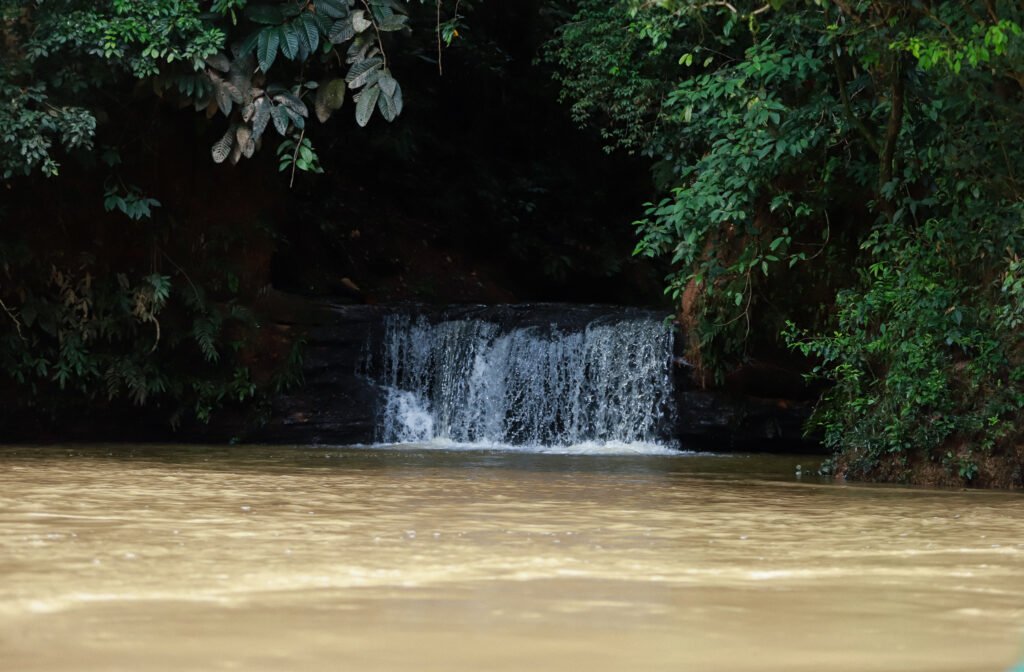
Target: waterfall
477,381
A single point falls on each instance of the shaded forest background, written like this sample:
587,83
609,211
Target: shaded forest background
829,187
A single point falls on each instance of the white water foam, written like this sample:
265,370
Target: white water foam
469,384
610,448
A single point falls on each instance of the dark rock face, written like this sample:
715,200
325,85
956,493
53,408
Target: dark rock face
720,421
336,404
339,405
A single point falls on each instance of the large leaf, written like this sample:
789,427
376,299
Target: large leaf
292,102
361,48
224,92
279,114
387,83
223,100
260,117
240,77
360,22
335,9
397,100
289,41
329,97
386,107
219,61
392,23
297,119
266,49
226,88
243,136
390,101
222,148
341,31
323,23
311,31
365,103
394,5
363,71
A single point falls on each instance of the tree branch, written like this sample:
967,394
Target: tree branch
857,121
892,130
17,322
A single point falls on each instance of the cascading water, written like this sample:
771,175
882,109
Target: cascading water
472,381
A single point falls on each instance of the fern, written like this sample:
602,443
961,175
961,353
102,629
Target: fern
205,331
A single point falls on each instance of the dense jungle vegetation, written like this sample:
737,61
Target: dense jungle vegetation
839,179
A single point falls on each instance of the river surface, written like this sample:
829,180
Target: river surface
254,558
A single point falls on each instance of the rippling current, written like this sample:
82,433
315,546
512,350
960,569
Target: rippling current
415,558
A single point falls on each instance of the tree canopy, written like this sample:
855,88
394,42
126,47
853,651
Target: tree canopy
839,179
844,175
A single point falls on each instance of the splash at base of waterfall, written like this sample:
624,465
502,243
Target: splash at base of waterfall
605,388
608,448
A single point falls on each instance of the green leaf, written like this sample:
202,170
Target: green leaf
362,72
386,107
397,100
392,23
362,47
390,101
334,9
297,119
260,117
292,102
311,31
281,119
365,103
341,31
266,49
387,83
289,41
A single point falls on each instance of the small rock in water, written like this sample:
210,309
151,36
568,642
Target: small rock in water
246,509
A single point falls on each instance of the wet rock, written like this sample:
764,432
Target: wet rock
338,405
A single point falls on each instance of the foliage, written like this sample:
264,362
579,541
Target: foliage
254,62
157,317
868,149
79,330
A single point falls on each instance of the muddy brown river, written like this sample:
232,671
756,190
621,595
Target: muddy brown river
253,558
